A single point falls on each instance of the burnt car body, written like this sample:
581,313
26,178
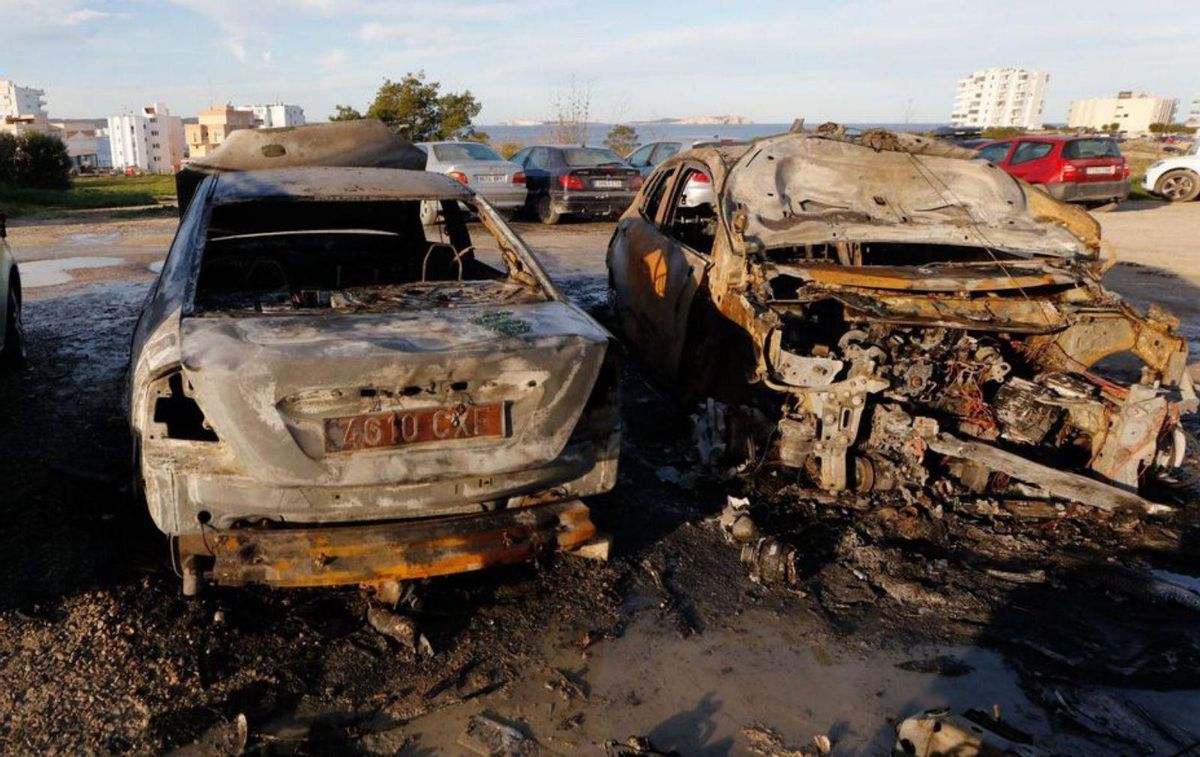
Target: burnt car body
872,311
320,393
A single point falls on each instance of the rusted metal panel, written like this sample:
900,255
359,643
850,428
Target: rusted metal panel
400,551
987,277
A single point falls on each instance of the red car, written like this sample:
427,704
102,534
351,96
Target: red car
1075,169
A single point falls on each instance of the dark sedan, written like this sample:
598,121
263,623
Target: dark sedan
577,180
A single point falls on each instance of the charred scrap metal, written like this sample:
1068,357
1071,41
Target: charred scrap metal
324,390
880,313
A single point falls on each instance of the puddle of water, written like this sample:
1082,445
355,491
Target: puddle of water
45,273
88,239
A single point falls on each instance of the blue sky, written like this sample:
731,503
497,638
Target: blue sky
771,61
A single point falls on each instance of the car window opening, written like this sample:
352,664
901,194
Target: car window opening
694,221
348,256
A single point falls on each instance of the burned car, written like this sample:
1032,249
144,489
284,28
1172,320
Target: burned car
325,391
877,311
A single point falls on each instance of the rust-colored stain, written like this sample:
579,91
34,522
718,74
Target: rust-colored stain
654,270
402,551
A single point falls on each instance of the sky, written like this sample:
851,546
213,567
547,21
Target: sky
853,62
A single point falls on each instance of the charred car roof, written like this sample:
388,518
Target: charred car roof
796,189
330,183
365,143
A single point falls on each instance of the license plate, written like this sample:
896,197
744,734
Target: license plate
1102,170
403,427
491,178
607,183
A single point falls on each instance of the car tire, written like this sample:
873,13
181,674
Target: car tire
429,213
1180,185
546,212
13,355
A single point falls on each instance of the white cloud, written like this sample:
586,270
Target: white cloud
265,56
48,16
331,58
237,48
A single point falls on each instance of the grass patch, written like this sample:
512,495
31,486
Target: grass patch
89,193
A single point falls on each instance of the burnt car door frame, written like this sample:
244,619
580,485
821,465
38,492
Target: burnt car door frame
662,274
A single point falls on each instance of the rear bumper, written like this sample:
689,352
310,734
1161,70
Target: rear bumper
592,203
1087,191
375,553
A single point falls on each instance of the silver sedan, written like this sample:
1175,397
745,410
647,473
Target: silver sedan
500,182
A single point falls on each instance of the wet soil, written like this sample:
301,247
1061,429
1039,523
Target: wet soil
897,605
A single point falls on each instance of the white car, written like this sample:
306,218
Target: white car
1175,179
499,181
12,331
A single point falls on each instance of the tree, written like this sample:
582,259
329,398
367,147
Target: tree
621,139
42,162
8,159
1002,132
571,111
416,108
1157,127
345,113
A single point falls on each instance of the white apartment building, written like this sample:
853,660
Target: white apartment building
275,116
1000,97
21,101
1133,112
22,109
150,140
1193,116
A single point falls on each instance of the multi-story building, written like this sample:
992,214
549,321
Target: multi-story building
275,116
1132,112
1193,116
21,101
150,140
214,126
22,109
1000,97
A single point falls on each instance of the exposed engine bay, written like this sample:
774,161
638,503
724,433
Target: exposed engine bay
880,365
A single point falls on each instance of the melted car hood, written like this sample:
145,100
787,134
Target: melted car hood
799,189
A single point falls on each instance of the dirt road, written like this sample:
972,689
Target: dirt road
671,639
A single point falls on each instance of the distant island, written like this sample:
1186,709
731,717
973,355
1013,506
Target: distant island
729,120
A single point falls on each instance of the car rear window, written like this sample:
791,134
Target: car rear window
584,157
1091,148
465,151
1027,151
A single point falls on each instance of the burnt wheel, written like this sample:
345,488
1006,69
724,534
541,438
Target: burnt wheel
1178,186
1185,479
13,355
546,212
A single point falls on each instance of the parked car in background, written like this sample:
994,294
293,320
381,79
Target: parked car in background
501,182
1088,170
325,391
1176,179
12,330
646,157
577,180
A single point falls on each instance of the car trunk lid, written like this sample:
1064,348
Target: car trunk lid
352,400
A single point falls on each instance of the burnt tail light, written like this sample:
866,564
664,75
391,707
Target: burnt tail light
571,181
518,177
